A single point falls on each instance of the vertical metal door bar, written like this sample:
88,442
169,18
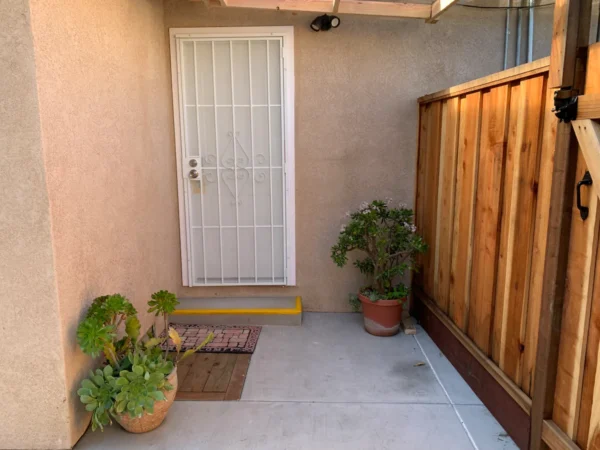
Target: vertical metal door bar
270,161
212,43
235,162
197,110
253,160
283,158
183,111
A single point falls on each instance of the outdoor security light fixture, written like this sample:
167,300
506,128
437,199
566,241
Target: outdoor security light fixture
325,23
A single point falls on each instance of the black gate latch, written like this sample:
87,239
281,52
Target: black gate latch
585,181
565,104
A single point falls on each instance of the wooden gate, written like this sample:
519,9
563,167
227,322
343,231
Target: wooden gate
510,288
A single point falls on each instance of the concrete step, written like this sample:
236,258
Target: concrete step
239,311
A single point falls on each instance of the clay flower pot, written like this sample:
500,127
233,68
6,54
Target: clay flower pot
148,422
382,317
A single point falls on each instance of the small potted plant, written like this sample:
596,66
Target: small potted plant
388,240
137,382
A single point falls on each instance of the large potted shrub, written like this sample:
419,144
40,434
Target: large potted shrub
389,243
137,382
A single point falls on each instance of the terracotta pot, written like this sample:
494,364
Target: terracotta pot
148,422
383,317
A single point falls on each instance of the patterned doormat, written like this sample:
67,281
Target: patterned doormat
227,338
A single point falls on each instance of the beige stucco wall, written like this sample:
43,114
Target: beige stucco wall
356,121
88,175
106,121
32,368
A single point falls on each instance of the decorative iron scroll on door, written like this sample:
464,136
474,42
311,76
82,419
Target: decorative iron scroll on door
235,159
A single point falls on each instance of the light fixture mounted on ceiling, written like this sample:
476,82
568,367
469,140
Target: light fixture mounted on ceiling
325,23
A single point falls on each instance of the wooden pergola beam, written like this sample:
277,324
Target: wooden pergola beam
438,8
322,6
357,7
386,9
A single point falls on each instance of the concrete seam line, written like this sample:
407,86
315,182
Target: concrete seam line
460,419
319,402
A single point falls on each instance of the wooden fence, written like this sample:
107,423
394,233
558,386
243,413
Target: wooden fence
484,187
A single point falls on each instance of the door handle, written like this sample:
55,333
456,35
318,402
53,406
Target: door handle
194,173
585,181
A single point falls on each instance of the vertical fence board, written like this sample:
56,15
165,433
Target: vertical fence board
447,184
420,199
468,149
539,246
432,156
521,222
487,214
508,217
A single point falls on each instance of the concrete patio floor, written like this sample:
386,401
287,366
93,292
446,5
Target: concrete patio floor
329,385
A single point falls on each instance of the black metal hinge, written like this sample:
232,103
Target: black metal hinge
565,104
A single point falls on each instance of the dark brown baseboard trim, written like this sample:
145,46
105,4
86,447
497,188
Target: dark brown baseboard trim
502,406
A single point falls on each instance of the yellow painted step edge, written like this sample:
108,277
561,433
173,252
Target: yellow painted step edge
256,311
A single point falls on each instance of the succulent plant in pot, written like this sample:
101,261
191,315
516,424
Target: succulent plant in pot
137,383
387,238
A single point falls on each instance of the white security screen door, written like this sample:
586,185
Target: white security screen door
233,92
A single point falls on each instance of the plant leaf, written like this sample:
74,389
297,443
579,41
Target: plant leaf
86,399
121,406
110,354
157,395
91,406
174,335
87,384
187,353
156,377
151,343
132,327
108,371
191,351
122,381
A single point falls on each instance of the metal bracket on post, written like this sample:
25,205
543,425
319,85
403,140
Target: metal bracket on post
565,104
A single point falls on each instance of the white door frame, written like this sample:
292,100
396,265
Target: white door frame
287,35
